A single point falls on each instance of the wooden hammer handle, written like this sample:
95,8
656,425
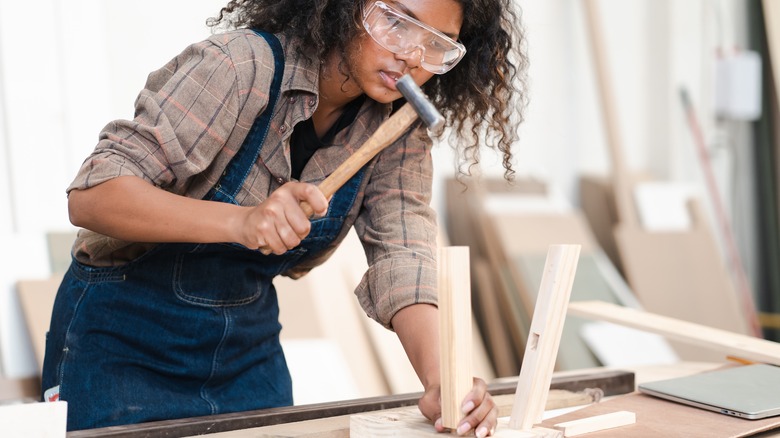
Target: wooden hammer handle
385,135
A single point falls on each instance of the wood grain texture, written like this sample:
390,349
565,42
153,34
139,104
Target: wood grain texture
408,422
620,172
662,418
545,336
726,342
454,331
596,423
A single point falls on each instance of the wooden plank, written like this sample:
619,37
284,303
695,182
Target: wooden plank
464,227
545,336
514,302
725,342
525,236
620,173
306,311
493,326
454,331
596,423
767,152
20,390
462,230
37,300
772,23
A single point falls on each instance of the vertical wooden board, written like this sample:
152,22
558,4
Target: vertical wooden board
383,345
494,328
589,284
37,300
545,335
512,298
26,389
772,23
468,226
454,331
322,305
678,275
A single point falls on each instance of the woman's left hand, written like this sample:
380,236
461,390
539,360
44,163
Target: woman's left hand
478,406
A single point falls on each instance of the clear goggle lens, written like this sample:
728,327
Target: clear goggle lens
403,35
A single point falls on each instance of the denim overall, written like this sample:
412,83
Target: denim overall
184,330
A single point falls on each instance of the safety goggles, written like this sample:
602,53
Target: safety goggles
403,35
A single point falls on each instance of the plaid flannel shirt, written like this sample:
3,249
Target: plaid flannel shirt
193,115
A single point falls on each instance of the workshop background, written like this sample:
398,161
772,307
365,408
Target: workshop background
69,67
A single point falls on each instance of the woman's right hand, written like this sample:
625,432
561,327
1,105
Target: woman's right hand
131,209
279,223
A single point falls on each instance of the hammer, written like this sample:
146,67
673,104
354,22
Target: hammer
417,104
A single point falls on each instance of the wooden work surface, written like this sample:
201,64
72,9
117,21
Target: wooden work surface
611,382
661,418
656,417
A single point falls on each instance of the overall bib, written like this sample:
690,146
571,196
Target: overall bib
184,330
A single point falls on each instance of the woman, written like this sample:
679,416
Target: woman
193,207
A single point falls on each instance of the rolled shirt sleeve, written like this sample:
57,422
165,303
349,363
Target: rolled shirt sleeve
398,230
188,112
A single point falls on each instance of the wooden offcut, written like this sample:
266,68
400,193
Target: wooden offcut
545,336
454,331
596,423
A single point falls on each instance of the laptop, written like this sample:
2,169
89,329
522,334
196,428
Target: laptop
749,391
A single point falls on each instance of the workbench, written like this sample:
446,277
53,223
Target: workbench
325,419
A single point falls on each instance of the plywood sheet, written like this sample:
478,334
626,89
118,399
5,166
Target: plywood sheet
37,300
681,275
661,418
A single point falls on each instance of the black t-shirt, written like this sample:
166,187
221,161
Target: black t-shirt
304,141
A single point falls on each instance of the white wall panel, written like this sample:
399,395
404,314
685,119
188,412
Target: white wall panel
80,67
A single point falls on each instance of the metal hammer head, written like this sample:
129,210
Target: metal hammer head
419,101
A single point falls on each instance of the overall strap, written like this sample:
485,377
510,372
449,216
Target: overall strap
237,170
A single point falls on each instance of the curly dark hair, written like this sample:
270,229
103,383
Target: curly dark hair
482,98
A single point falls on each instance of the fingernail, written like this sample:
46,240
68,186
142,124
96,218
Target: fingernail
467,407
463,428
482,432
437,424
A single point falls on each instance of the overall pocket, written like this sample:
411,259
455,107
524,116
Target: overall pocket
217,275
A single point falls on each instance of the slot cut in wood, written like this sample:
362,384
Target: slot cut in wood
538,363
546,327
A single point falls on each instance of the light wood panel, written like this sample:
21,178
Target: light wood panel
545,336
724,342
454,331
